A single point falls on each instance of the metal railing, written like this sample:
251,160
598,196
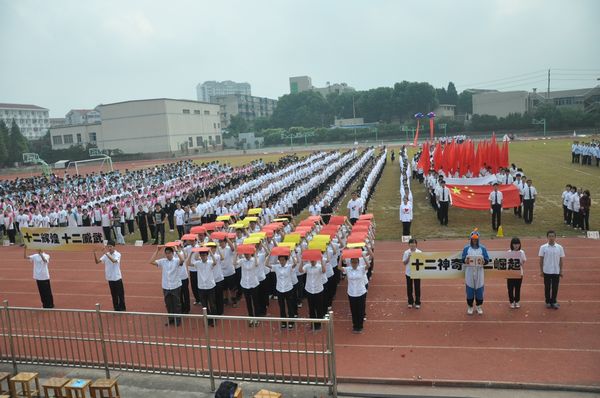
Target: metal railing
214,347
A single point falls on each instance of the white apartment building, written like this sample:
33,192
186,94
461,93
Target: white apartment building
33,120
209,89
82,116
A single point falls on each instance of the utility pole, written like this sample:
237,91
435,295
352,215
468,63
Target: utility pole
548,92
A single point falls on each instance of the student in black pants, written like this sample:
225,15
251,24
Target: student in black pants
284,270
514,284
112,271
159,216
412,284
357,292
141,219
314,288
40,261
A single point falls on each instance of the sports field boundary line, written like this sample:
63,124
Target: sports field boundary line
455,384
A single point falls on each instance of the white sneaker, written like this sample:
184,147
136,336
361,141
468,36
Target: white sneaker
417,306
513,305
469,310
517,305
410,306
479,310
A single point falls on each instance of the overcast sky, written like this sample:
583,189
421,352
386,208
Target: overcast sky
65,54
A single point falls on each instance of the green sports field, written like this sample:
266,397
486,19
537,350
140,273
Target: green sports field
546,162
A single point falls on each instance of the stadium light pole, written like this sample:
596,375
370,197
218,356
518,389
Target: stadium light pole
540,121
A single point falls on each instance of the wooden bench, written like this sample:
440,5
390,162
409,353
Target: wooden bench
5,377
108,386
56,386
24,379
76,388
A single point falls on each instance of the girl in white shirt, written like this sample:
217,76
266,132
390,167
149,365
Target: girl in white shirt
219,278
357,291
284,270
410,283
314,271
40,262
199,258
249,280
514,284
227,253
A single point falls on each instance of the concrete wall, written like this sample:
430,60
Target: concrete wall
500,104
83,129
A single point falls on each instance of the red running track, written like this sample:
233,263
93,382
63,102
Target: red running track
439,342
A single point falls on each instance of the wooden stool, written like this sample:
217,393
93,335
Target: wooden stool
24,378
76,388
56,385
102,386
4,377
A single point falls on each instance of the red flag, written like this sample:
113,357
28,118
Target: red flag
437,157
431,128
417,133
504,154
476,197
424,163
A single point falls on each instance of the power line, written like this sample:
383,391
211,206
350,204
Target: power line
504,78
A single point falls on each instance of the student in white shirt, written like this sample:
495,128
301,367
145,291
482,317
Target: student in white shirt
410,283
529,195
406,215
249,280
357,291
179,220
284,270
514,284
551,266
199,258
496,199
314,289
566,199
112,272
355,208
40,261
171,282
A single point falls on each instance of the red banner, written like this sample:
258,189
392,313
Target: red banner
477,197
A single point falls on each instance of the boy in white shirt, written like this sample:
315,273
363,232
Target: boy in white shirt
112,272
41,275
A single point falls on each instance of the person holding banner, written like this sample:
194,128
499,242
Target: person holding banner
40,261
285,273
198,258
249,279
474,256
357,290
410,283
314,268
514,284
112,271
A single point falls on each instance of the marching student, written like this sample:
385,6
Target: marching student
171,281
410,283
284,270
40,261
566,199
575,205
551,268
112,271
444,200
520,184
199,258
514,284
496,199
406,215
227,253
529,195
314,270
357,291
178,215
474,256
189,242
218,277
355,208
249,280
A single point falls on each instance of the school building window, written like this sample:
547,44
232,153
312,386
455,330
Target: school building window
218,139
196,112
78,138
68,138
207,112
186,111
57,140
92,137
199,141
190,142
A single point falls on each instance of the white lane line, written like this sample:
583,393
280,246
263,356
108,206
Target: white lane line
437,347
469,322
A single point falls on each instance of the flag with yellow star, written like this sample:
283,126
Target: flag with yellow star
476,197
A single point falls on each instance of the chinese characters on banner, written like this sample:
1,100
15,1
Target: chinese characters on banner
448,265
67,238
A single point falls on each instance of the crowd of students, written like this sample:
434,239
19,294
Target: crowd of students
586,153
576,203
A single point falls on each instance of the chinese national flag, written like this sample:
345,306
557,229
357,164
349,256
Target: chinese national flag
476,197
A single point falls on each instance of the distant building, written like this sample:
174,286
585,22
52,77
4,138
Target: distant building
501,104
57,121
348,122
246,106
82,116
148,126
445,110
245,141
205,91
33,120
299,84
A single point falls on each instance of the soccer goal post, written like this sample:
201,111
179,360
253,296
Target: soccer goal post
103,163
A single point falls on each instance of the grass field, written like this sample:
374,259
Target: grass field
547,163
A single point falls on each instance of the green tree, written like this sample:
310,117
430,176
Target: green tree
237,125
441,95
451,94
465,103
3,143
261,123
305,109
17,144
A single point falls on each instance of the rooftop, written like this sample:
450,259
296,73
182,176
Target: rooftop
21,106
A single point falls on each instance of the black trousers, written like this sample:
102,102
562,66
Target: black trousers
12,233
238,279
185,296
576,219
565,213
108,233
130,226
251,296
159,230
173,303
569,217
443,213
514,289
416,283
194,283
219,302
45,293
551,282
357,308
528,210
585,219
406,228
432,200
300,292
287,298
144,232
207,298
315,307
496,216
118,294
330,290
180,231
